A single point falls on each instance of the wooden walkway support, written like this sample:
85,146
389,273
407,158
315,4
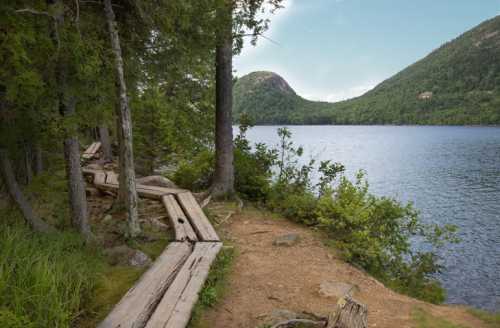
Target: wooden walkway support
166,294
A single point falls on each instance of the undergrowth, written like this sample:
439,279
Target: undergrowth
45,280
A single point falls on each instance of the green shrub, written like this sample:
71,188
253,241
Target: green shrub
45,280
371,232
195,174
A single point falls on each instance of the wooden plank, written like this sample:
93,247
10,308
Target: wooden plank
162,189
182,227
140,301
91,150
176,305
198,219
182,312
151,194
112,178
100,177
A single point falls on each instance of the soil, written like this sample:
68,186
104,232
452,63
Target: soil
266,277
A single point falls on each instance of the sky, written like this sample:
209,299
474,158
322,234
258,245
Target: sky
333,50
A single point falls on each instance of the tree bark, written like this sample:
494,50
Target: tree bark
28,169
127,173
17,195
105,142
66,106
223,183
76,184
38,159
348,314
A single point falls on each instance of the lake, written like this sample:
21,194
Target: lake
451,174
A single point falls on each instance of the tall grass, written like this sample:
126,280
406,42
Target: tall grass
45,280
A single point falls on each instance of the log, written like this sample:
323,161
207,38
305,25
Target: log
182,227
348,314
136,307
91,151
174,310
197,218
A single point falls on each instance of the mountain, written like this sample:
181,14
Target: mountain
459,83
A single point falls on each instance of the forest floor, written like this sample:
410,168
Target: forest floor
265,278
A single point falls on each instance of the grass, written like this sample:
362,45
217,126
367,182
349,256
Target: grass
491,319
114,283
214,287
423,319
45,280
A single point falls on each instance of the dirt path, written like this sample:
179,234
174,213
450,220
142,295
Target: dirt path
267,277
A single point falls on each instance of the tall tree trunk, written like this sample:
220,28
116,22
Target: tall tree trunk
66,104
17,195
223,183
127,173
74,176
28,170
38,159
105,142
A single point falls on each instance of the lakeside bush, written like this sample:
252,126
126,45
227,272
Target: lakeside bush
45,280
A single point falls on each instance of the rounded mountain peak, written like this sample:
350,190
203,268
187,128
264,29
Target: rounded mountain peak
266,80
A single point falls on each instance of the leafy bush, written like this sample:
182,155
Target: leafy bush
372,232
45,280
195,174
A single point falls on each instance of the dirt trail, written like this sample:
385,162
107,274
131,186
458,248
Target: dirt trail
267,277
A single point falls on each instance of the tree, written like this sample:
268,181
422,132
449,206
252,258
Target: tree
126,157
17,195
235,19
223,183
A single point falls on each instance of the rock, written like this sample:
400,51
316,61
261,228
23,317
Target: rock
124,255
334,289
156,181
140,260
280,315
287,240
107,218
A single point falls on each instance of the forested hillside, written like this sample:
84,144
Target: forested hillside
459,83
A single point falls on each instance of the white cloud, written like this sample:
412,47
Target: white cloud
348,93
342,94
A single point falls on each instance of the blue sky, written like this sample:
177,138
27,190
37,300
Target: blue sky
337,49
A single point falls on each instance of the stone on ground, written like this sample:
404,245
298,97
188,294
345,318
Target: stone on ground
124,255
336,289
287,240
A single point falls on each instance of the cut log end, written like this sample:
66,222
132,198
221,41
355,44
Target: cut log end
348,314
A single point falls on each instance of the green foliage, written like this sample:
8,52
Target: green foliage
372,232
424,319
45,280
195,174
463,76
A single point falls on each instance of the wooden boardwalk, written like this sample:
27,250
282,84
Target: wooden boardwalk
165,295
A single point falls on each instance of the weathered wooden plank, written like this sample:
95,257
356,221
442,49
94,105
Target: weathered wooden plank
176,305
91,150
182,311
162,189
100,177
112,178
135,308
151,194
198,219
182,227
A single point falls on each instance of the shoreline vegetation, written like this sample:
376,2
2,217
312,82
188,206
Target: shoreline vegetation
369,232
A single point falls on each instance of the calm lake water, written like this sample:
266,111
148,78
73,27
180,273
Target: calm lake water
451,174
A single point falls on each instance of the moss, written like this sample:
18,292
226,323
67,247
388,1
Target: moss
491,319
423,319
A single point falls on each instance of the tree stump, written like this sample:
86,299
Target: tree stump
348,314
